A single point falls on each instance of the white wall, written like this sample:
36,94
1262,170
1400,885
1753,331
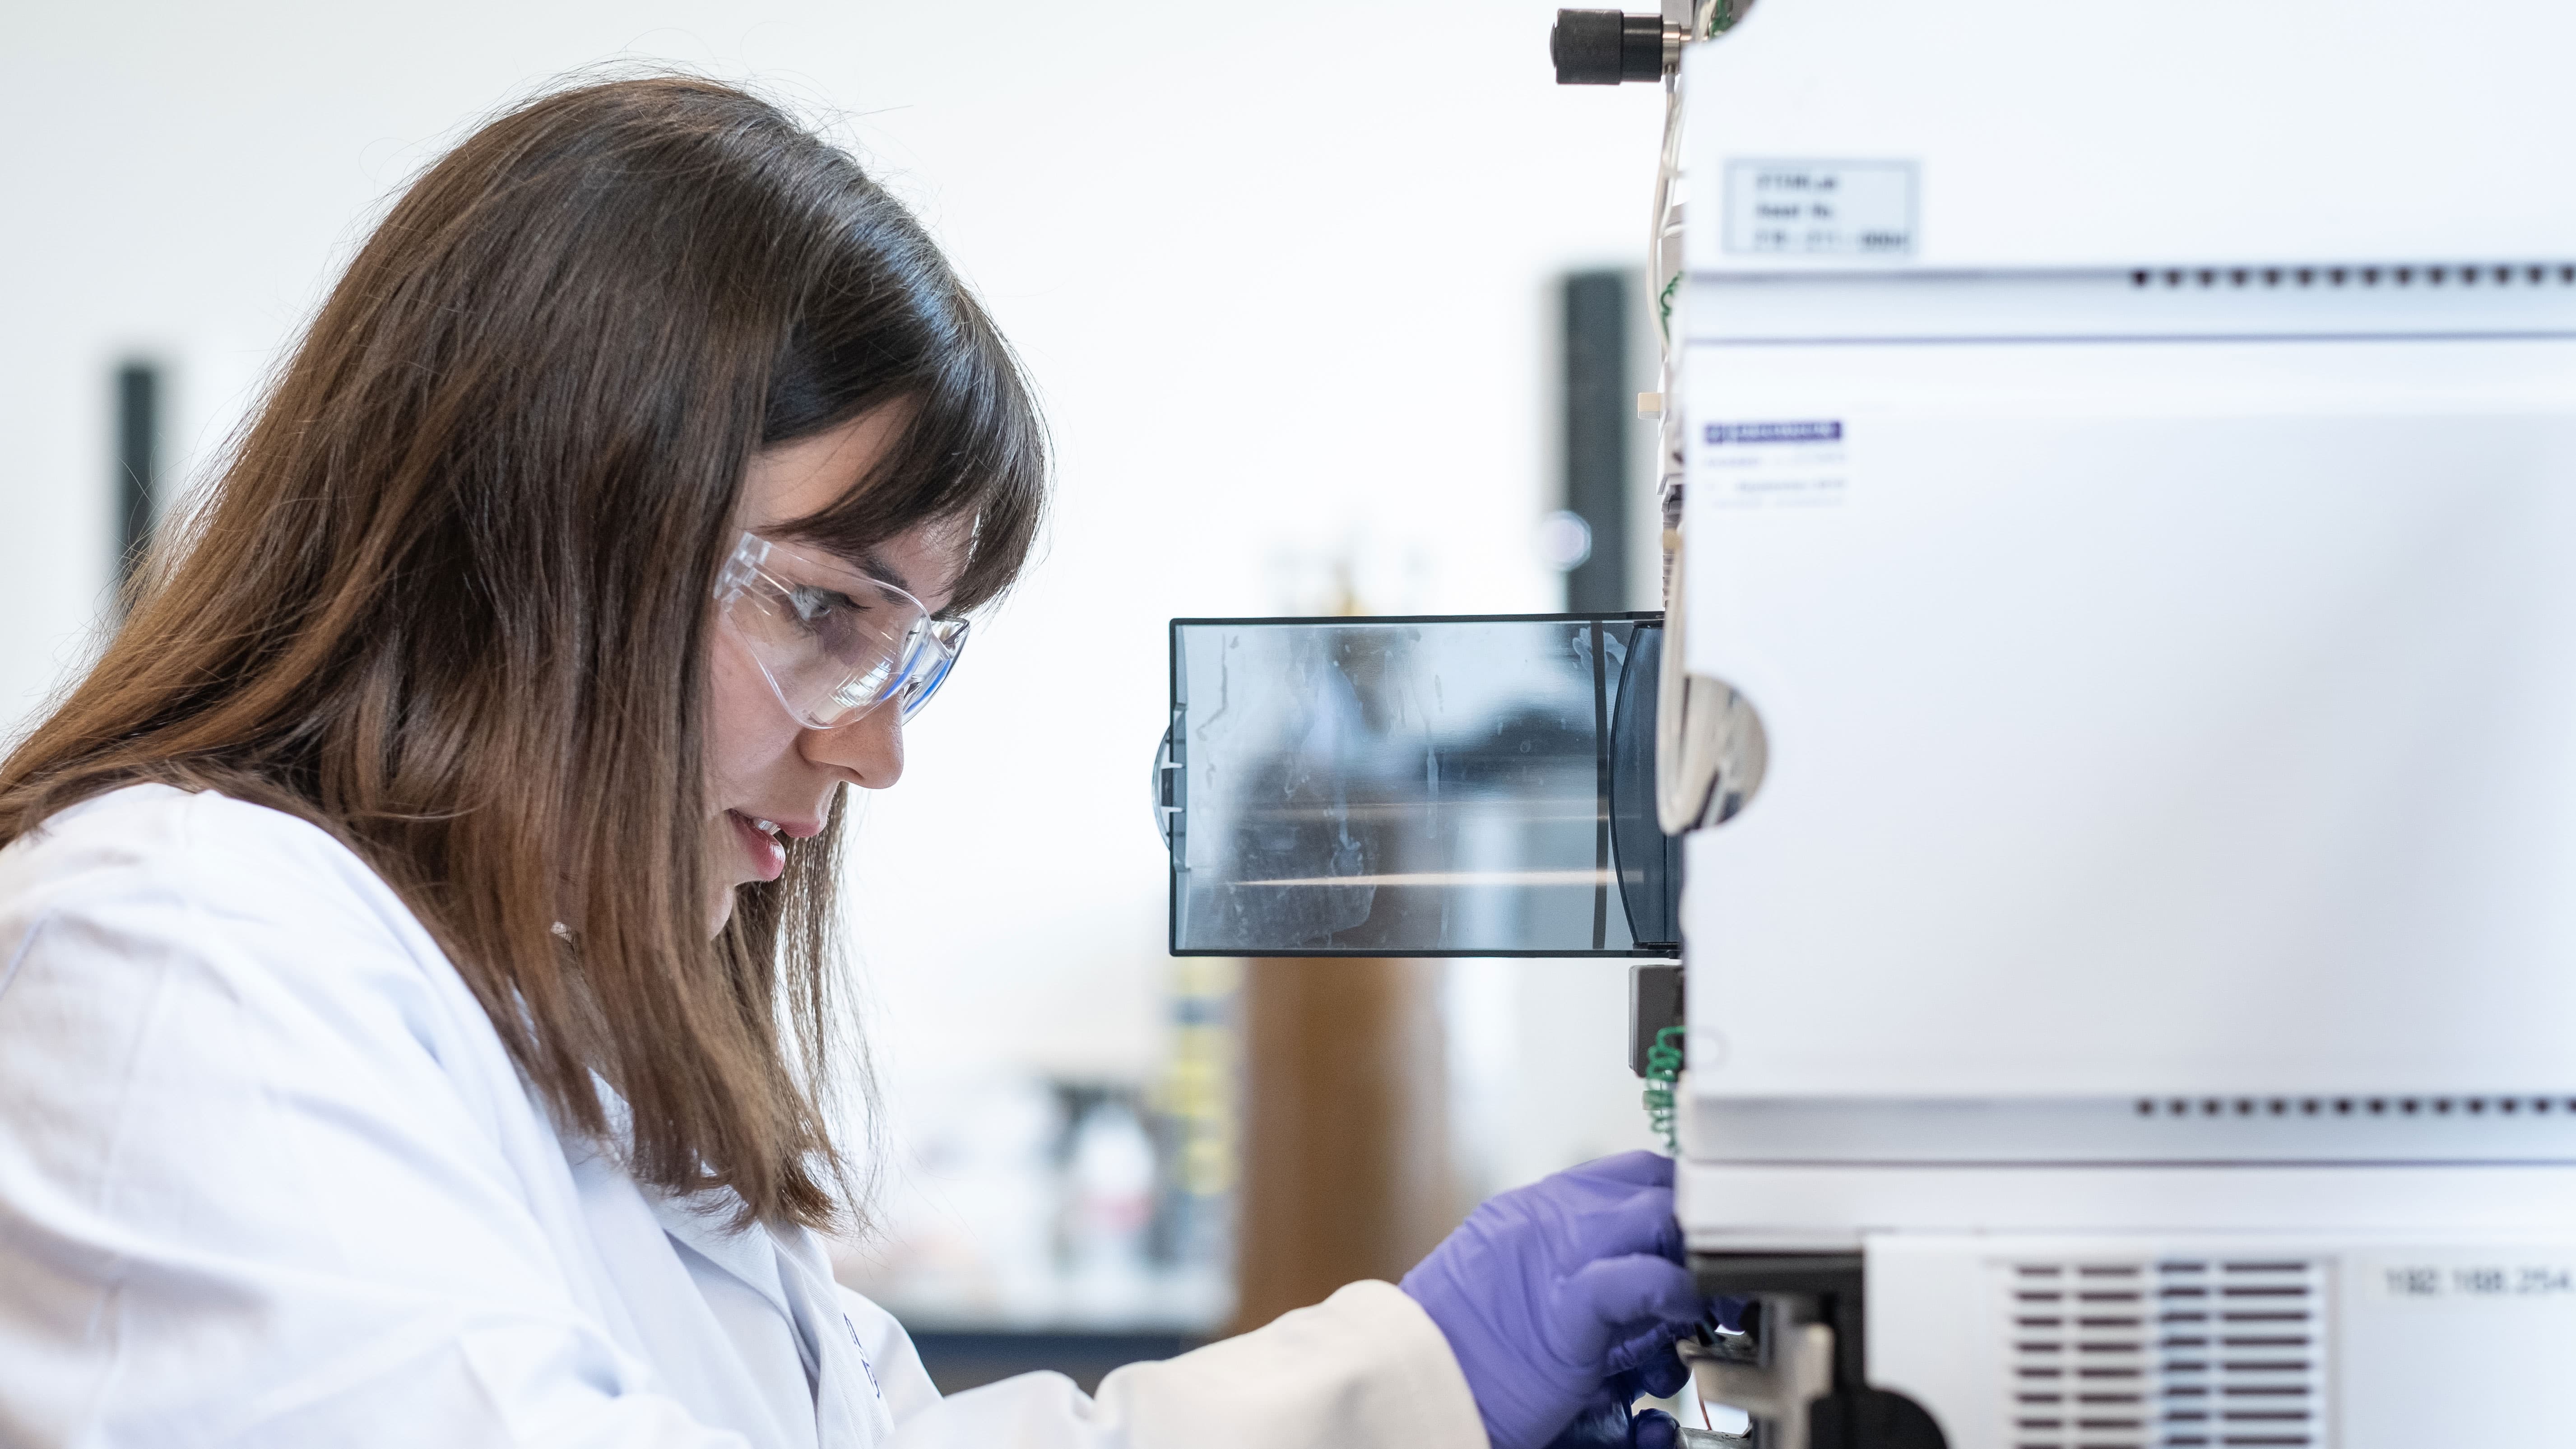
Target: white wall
1283,274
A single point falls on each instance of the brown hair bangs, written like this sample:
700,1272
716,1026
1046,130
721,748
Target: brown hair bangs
973,447
449,597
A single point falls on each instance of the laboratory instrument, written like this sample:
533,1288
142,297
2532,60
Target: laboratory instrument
2126,462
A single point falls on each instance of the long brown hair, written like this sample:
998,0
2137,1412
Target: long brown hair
449,597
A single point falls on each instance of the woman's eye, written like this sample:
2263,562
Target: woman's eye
817,608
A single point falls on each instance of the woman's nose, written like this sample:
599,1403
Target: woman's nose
868,750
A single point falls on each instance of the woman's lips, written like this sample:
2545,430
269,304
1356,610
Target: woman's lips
768,857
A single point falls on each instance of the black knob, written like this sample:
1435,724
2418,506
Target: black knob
1604,47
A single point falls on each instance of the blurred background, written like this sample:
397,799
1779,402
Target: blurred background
1329,307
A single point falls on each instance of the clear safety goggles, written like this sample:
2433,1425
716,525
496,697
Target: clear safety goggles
833,642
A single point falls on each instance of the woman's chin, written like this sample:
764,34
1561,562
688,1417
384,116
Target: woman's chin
722,912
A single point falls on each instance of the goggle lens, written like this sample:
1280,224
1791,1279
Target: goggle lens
833,643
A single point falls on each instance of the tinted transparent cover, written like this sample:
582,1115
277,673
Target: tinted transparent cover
1396,786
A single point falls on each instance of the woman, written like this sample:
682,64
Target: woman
416,1022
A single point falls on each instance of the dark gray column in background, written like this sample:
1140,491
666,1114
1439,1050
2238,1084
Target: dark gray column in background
1600,414
138,460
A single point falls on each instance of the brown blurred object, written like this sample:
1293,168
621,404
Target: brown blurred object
1346,1170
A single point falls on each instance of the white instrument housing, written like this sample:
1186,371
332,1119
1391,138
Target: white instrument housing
2131,471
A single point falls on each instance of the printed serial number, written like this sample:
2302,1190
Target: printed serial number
2522,1281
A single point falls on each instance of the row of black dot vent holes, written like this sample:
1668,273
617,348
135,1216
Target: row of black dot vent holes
2350,1106
2533,275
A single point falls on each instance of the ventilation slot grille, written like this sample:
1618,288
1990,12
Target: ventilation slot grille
2356,1106
2218,1353
2437,274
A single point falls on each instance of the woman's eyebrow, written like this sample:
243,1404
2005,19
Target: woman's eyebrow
874,565
866,560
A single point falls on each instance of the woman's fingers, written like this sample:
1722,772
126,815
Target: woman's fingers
1654,1429
1641,1222
1664,1377
1619,1296
1649,1363
1640,1168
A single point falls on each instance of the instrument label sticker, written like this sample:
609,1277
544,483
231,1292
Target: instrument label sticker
1762,463
1820,208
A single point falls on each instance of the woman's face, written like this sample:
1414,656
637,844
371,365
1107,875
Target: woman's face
765,768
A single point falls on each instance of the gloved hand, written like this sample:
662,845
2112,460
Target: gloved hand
1607,1422
1557,1296
1614,1426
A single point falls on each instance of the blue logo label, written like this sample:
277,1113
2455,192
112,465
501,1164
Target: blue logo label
1830,431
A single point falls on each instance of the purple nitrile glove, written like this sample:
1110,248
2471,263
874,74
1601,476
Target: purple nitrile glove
1645,1367
1548,1290
1616,1426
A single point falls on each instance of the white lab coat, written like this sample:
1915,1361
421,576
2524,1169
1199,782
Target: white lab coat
268,1178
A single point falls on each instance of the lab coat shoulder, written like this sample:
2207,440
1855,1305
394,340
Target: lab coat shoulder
153,876
1365,1367
266,1174
295,959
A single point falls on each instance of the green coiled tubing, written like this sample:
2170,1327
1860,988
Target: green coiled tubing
1663,1073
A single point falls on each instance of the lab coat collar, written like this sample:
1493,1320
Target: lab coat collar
850,1407
788,1268
704,1223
